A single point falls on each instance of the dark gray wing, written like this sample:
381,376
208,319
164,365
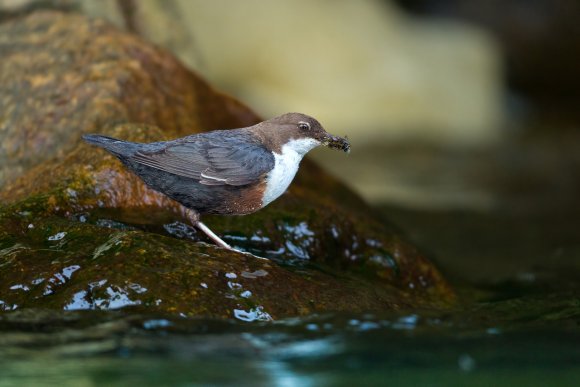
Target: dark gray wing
214,158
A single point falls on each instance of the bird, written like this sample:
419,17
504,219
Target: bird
227,171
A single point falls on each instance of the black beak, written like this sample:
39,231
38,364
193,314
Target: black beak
335,142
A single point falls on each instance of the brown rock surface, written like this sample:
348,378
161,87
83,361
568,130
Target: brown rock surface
62,75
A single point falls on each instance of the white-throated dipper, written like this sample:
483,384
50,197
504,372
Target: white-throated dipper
225,172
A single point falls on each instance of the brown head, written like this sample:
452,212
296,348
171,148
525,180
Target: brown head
281,130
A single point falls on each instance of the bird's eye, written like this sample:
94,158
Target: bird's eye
303,125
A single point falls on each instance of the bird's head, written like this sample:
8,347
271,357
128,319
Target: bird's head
301,131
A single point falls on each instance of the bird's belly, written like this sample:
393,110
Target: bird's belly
223,200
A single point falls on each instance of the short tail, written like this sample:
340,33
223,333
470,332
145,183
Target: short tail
111,144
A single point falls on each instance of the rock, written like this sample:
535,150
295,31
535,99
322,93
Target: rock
78,231
72,265
113,78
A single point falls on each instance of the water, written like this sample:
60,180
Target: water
476,347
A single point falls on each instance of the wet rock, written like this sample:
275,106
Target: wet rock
72,266
78,231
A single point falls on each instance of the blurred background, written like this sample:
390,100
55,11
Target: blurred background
463,116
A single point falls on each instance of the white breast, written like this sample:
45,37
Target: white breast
285,167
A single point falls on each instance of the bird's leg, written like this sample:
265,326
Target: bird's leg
218,241
194,219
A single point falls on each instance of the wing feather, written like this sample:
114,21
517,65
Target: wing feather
211,158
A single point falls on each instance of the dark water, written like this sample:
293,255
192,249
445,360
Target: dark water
516,323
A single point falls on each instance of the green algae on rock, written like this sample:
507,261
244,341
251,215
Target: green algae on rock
79,231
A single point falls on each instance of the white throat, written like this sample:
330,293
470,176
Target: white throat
285,167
